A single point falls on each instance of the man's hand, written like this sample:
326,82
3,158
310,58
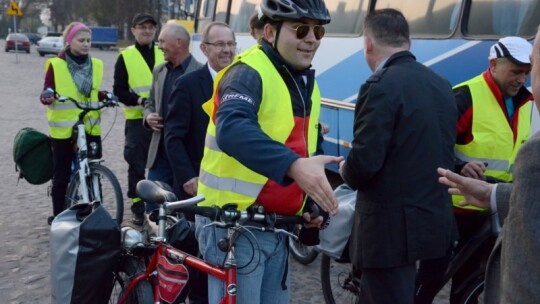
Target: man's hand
476,192
474,169
312,222
310,176
190,187
154,121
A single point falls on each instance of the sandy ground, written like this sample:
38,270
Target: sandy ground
24,234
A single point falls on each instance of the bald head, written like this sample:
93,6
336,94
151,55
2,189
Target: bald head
174,41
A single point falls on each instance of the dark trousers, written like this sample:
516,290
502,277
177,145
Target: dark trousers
387,285
469,225
63,152
136,153
430,278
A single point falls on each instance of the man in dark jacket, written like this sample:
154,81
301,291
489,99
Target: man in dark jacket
404,128
186,122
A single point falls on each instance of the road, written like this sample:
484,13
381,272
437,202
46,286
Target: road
24,235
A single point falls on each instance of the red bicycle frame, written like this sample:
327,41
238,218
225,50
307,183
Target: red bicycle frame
226,274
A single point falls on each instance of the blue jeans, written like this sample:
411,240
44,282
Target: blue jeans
161,171
261,261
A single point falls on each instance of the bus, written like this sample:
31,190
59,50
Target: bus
452,37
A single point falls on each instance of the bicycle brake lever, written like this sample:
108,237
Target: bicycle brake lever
279,230
218,224
274,230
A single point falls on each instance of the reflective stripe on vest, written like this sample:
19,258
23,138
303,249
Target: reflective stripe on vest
61,116
493,138
222,178
139,77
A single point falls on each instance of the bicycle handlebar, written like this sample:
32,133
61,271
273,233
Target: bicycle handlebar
228,215
109,101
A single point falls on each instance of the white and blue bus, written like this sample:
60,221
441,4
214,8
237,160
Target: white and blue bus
452,37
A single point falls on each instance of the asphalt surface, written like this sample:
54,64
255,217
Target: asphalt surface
24,233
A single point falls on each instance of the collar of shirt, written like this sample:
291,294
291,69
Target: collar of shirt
212,72
182,67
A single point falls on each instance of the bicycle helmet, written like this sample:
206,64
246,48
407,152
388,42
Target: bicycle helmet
278,10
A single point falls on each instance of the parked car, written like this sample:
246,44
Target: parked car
22,42
53,34
50,45
33,37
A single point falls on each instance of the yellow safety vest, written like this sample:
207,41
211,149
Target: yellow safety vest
63,115
493,139
139,77
223,179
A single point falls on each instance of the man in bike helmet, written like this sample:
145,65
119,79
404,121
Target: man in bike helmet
263,128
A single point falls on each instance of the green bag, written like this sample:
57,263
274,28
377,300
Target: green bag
32,154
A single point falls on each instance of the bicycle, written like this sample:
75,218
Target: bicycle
140,282
92,181
339,285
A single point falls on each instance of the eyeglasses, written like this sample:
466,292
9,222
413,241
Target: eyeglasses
145,27
220,46
302,31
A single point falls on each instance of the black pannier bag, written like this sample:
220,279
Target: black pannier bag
84,245
32,154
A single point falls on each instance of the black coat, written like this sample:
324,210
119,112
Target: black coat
185,126
404,128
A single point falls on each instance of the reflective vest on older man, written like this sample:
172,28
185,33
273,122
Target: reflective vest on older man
494,142
61,116
223,179
139,77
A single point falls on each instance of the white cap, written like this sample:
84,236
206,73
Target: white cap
516,49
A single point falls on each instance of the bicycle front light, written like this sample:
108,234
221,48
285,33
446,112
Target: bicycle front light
131,238
92,150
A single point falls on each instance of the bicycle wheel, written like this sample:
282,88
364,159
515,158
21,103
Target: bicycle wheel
474,291
337,283
142,292
108,188
301,253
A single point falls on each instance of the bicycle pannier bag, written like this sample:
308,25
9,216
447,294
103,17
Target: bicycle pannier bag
173,278
334,238
33,156
85,244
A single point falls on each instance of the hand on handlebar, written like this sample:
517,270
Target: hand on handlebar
47,96
108,96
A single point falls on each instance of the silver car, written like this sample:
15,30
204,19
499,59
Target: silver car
50,45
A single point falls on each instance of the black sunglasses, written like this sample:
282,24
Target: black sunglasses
302,31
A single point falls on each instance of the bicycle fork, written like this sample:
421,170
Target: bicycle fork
84,168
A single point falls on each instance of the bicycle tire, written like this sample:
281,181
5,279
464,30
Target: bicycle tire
336,281
111,193
303,254
474,291
141,294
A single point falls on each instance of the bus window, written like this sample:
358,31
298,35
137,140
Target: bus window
206,13
241,10
503,18
427,18
347,16
221,11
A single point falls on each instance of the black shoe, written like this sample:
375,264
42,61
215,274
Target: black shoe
50,219
137,218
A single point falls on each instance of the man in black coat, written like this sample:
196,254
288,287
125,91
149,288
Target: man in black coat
404,128
186,121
